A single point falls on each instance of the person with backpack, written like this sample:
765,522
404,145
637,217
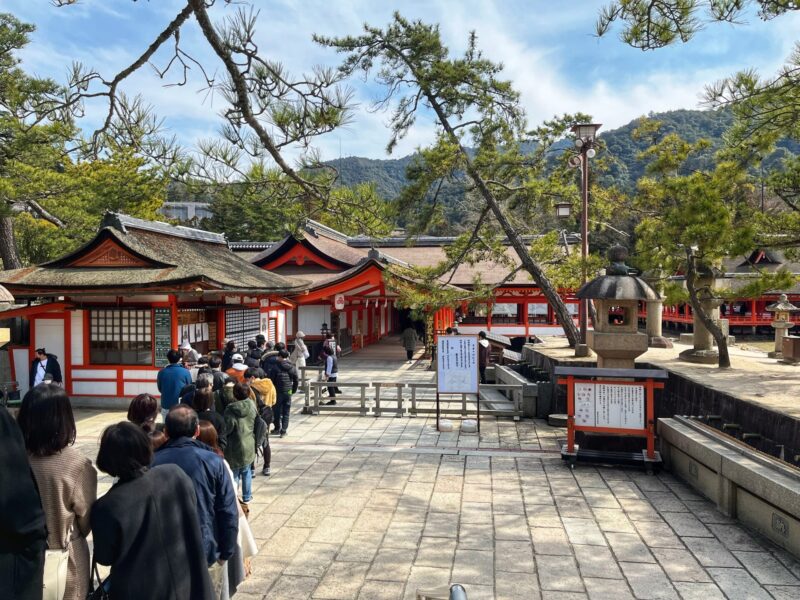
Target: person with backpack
266,397
284,377
240,420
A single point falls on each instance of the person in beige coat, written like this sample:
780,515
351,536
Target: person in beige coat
66,479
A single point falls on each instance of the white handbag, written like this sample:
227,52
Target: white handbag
56,563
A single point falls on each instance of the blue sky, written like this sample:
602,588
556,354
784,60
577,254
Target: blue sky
547,47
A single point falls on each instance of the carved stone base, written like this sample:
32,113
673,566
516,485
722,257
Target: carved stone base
659,341
703,357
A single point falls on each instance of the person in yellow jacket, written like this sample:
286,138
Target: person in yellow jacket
262,392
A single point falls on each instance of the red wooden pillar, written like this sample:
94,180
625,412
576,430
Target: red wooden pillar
173,309
220,326
525,320
489,316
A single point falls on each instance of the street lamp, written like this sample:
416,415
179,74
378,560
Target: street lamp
585,134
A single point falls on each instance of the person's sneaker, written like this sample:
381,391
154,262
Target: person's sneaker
265,472
283,434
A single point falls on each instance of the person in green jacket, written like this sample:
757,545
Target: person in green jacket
409,340
240,417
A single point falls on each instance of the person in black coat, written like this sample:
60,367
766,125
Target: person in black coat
44,365
146,526
23,531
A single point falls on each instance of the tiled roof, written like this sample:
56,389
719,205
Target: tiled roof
173,256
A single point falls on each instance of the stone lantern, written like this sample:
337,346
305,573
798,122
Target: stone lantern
781,323
616,338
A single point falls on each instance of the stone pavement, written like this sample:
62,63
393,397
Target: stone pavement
377,508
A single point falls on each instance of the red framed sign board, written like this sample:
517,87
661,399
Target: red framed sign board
611,401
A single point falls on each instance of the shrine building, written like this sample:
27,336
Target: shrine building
111,309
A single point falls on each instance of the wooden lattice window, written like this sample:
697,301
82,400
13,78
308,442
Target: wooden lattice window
120,336
242,325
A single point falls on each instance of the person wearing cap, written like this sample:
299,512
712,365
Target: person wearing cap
300,352
190,355
236,372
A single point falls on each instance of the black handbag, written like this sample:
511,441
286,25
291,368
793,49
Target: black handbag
98,588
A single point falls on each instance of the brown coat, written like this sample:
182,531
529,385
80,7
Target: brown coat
68,486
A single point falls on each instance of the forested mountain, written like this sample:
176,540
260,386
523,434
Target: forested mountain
622,148
626,168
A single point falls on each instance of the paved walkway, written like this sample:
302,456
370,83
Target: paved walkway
377,508
356,509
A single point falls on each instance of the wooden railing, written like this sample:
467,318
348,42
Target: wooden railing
410,398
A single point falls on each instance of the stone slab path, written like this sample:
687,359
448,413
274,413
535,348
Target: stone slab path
378,508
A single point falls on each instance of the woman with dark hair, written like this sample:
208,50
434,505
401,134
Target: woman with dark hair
204,405
146,526
23,533
143,411
227,356
66,479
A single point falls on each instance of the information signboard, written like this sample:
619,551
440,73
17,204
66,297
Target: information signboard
609,405
457,364
163,335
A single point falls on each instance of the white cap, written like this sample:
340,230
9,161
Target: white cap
299,334
237,358
240,366
186,346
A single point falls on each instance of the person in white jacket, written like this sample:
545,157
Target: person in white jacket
300,352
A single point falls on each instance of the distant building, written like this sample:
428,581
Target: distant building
186,212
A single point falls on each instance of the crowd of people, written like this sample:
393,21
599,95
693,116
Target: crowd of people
182,467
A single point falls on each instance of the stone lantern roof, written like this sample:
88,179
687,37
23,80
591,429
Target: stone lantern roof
782,305
617,283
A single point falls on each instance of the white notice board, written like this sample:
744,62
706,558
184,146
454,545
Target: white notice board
609,405
457,364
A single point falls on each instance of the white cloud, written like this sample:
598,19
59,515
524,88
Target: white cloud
547,49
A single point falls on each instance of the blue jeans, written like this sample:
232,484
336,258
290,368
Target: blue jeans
246,475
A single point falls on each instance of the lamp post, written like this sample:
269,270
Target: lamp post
585,134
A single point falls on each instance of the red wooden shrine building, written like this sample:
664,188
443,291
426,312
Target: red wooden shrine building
111,309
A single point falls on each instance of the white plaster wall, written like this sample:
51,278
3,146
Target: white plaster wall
310,318
94,374
289,320
94,388
76,334
134,388
140,374
281,315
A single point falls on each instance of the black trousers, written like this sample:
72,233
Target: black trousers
483,374
333,390
282,409
409,354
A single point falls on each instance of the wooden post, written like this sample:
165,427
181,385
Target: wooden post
438,410
570,414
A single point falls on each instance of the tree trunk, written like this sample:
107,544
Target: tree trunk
8,245
724,360
536,272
